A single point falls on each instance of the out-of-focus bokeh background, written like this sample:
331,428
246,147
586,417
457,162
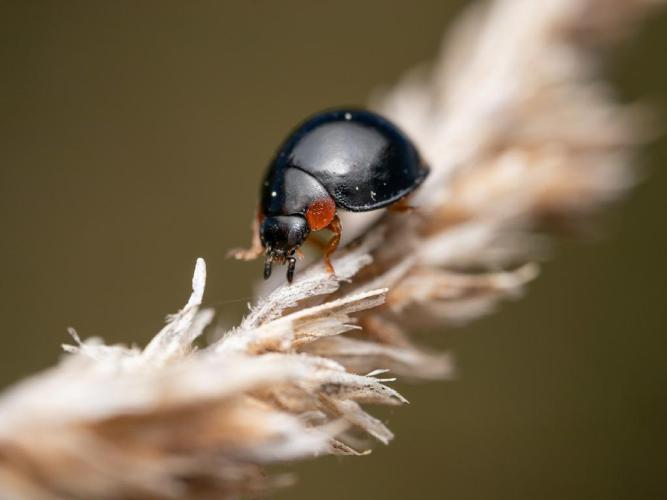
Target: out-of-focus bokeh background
132,139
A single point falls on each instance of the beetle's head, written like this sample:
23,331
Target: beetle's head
281,235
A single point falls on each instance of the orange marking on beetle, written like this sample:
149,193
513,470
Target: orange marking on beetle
320,213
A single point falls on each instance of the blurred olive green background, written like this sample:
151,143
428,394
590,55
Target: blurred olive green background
132,139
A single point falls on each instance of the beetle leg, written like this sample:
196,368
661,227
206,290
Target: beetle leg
256,248
401,205
336,228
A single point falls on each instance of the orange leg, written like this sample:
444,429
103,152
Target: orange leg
256,249
336,228
401,205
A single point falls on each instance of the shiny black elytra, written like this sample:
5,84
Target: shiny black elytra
343,159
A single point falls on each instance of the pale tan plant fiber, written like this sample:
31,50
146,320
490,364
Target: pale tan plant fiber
522,137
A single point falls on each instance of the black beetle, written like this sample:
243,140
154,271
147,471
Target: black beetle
346,159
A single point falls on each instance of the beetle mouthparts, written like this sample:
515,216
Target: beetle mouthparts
267,266
280,258
291,264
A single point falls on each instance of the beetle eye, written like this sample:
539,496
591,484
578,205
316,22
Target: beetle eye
298,230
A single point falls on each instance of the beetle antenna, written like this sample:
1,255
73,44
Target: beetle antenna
291,264
267,266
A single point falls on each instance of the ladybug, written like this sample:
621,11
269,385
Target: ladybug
344,159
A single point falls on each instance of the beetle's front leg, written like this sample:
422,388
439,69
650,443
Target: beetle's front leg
401,206
336,228
256,248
